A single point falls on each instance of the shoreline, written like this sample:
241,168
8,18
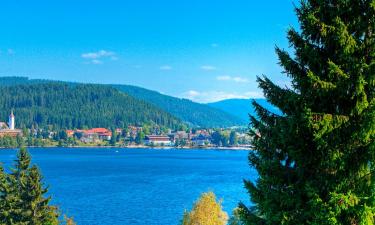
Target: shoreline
141,147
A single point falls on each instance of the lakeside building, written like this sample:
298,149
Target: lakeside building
91,135
180,136
161,140
103,133
9,129
133,131
201,140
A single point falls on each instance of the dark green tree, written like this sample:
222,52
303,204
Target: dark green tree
78,135
113,138
216,138
139,138
233,140
6,199
23,195
20,141
62,135
316,161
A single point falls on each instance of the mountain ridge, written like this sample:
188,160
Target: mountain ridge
242,108
78,106
192,113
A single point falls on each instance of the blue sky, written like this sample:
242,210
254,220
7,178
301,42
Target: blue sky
203,50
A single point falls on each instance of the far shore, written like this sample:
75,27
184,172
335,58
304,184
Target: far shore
144,147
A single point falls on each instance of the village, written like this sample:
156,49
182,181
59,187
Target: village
131,136
138,136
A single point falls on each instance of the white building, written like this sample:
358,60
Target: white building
10,130
11,123
159,140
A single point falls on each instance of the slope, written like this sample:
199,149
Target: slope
77,106
241,108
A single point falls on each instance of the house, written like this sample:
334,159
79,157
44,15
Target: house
89,137
200,140
70,133
118,130
160,140
9,129
103,133
3,126
180,136
133,131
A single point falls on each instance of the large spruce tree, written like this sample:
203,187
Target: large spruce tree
316,162
22,195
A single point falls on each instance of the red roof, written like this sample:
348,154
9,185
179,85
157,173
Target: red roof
105,134
157,138
99,130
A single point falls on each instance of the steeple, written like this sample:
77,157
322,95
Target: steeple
11,122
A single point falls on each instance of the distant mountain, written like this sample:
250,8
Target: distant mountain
241,108
190,112
77,106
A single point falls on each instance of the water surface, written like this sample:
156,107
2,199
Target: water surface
111,186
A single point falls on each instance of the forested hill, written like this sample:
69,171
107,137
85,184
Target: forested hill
190,112
187,111
76,106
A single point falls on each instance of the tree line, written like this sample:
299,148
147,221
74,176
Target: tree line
77,106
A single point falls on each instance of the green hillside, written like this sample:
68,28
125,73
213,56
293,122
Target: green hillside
76,106
241,108
192,113
188,111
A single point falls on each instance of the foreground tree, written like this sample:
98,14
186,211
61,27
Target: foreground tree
316,161
22,199
206,211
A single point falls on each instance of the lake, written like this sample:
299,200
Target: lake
110,186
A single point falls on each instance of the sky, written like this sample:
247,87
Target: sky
203,50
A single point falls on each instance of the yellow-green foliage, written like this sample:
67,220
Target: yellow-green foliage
206,211
69,221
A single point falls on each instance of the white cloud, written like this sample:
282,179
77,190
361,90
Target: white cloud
231,78
223,78
208,68
99,56
165,67
96,61
214,96
240,80
192,93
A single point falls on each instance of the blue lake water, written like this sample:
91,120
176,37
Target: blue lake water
110,186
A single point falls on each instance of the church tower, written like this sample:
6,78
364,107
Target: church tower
11,122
